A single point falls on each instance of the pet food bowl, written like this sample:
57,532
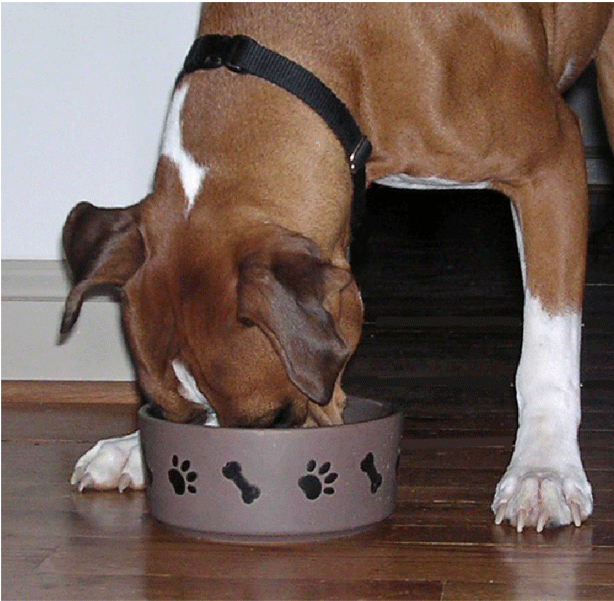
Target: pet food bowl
274,485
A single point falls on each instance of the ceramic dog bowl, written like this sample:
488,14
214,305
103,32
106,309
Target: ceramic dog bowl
273,485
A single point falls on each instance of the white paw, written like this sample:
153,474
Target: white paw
542,498
112,463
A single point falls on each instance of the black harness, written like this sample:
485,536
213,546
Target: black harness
241,54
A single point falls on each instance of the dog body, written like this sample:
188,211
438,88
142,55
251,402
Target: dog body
238,302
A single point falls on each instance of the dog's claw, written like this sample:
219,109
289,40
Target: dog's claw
541,521
576,514
125,481
76,476
86,482
500,516
520,521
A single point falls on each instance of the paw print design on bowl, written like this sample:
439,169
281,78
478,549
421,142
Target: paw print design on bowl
314,483
181,477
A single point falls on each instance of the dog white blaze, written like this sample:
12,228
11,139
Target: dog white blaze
188,389
191,173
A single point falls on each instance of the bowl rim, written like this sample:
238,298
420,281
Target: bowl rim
388,411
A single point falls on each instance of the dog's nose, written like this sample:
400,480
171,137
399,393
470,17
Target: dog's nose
285,417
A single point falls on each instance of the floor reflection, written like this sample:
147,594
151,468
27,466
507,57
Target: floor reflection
546,565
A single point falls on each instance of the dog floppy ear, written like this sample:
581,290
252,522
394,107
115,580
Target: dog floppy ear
104,248
285,291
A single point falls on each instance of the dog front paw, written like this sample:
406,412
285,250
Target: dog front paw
542,498
114,463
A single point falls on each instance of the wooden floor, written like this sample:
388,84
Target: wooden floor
443,303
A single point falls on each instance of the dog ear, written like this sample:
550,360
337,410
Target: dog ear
104,248
286,292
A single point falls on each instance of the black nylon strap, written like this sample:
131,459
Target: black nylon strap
242,54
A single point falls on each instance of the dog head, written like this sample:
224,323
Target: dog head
263,324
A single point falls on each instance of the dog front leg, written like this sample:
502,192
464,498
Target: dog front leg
545,483
113,463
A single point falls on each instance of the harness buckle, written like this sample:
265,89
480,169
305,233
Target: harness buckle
237,45
215,51
360,155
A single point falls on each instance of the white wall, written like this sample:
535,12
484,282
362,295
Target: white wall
85,89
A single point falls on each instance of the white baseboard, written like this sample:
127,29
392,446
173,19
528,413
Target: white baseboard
33,294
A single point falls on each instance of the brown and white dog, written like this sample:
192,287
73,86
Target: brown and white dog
237,298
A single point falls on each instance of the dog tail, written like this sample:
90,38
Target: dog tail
605,78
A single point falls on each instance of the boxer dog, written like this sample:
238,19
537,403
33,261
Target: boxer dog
237,298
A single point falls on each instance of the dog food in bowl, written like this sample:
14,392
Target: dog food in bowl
274,484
